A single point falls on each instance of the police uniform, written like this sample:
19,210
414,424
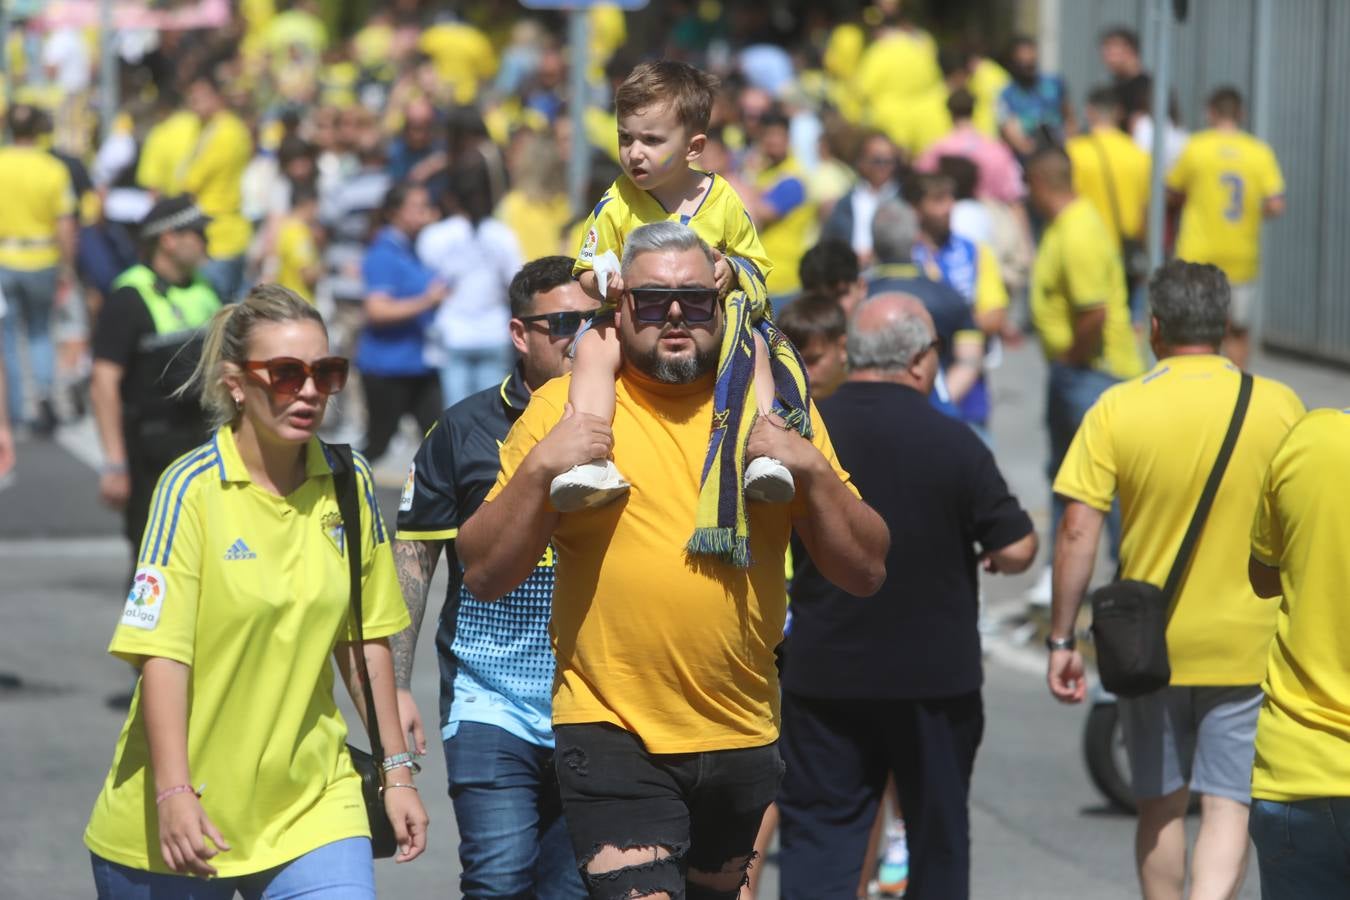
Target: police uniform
154,330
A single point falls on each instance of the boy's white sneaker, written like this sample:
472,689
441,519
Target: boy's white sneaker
768,480
586,486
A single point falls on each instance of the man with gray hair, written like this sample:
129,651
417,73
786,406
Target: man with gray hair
892,685
1152,442
895,228
665,696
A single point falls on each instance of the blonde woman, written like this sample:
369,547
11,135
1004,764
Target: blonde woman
232,763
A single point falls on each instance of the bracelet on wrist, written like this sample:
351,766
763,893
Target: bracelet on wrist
399,784
1064,643
400,761
176,789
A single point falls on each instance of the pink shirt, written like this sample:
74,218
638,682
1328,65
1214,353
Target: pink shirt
1000,176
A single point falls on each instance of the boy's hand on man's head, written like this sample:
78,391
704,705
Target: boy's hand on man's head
724,275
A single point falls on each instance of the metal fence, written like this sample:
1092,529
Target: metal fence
1291,60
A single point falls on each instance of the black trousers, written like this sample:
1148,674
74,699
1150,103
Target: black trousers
388,399
838,754
150,448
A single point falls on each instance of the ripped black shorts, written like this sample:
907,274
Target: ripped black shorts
704,808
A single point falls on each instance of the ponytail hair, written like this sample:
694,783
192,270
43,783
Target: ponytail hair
227,339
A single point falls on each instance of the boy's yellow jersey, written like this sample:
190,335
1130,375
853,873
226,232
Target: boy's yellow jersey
720,219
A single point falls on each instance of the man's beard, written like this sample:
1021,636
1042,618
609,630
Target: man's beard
682,369
1027,77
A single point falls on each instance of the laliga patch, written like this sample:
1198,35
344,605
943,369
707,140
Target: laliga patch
588,246
406,500
145,600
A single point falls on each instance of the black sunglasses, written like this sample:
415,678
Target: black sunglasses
561,324
652,305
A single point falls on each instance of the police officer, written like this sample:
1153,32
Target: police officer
146,344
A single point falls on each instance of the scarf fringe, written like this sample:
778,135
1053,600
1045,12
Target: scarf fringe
722,543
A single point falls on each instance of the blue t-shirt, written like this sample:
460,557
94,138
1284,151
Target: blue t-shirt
1039,109
959,262
391,267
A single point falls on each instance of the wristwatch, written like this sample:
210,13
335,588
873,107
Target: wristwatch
1065,643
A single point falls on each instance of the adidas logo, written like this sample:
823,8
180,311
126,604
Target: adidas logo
239,550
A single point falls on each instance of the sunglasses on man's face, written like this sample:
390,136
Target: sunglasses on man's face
287,375
652,305
561,324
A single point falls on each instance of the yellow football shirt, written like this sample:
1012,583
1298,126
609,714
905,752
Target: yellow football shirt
168,147
787,238
296,252
537,224
38,194
214,177
1111,150
1152,442
463,56
251,591
986,84
901,63
720,219
1302,527
679,653
1226,177
1078,268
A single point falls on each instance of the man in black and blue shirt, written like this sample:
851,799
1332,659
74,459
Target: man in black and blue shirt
495,658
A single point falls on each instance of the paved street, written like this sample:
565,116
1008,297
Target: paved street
1040,830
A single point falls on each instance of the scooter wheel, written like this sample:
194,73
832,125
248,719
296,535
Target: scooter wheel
1103,748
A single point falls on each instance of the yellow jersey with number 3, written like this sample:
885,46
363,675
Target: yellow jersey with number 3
1227,176
250,591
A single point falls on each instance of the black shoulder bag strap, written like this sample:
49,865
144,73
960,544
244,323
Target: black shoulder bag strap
1173,586
1110,180
344,481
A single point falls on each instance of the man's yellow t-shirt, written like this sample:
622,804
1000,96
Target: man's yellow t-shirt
721,220
913,123
250,590
1226,176
168,147
296,252
1303,526
1078,268
901,63
679,652
214,177
986,84
1110,150
1152,442
37,194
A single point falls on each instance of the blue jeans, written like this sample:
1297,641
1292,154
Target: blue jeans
512,837
226,277
1072,391
1303,848
471,371
342,870
30,296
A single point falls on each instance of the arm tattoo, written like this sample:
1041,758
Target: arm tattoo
416,563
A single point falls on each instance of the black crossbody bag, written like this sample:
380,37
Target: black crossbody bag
1129,618
383,843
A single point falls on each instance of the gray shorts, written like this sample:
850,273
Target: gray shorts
1201,736
1245,306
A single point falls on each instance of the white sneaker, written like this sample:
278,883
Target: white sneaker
586,486
1039,593
768,480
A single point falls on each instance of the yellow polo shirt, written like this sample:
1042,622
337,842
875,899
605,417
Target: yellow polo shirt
214,177
168,147
1109,152
296,251
251,591
1152,442
1302,526
37,194
1078,268
1226,176
679,653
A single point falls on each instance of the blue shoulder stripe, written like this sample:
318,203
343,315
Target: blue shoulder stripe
363,468
160,507
205,466
601,205
1158,374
